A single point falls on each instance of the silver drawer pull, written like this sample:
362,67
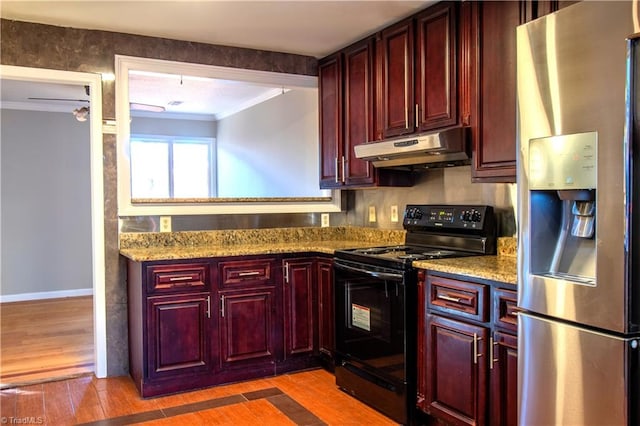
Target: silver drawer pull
249,274
180,278
449,298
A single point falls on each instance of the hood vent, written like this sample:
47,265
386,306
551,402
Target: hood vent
448,147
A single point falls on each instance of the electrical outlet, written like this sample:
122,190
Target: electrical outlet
394,213
324,220
165,223
372,213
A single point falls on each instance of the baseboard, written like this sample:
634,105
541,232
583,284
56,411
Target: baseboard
46,295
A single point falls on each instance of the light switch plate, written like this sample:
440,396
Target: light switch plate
165,223
372,213
394,213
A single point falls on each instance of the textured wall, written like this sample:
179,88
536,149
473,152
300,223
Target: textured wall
44,46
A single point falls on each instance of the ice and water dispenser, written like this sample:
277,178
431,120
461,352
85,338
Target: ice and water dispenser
562,190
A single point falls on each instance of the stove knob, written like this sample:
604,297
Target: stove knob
466,216
476,216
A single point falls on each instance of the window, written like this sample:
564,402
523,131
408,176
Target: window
172,167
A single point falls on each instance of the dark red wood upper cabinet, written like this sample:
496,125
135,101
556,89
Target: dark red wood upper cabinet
358,111
436,74
330,111
396,62
491,26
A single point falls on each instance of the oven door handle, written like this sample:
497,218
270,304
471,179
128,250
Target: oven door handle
375,274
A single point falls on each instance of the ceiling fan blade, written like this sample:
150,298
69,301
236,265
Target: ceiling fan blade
59,99
146,107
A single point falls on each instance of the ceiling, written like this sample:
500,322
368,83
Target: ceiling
305,27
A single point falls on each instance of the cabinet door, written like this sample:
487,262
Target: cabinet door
436,88
330,111
325,307
504,379
358,111
493,116
456,370
178,341
300,309
247,327
396,78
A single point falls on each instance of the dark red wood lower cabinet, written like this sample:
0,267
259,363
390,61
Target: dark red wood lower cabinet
456,369
325,308
247,328
504,380
300,307
178,335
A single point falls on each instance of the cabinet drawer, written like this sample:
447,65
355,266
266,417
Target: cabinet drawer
505,309
242,273
461,298
173,277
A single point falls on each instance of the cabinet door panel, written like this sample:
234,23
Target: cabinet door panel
325,307
330,109
299,307
397,79
456,368
246,327
358,110
178,335
436,68
504,380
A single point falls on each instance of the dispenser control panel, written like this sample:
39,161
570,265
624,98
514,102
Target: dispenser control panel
469,217
563,162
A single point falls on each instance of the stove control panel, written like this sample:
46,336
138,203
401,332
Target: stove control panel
455,217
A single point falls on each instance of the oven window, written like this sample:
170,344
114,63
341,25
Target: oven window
370,324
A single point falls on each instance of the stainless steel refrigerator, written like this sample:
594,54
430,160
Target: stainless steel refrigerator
579,237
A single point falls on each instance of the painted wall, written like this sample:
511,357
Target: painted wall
173,127
45,206
271,149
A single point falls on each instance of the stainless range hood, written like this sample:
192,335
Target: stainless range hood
447,147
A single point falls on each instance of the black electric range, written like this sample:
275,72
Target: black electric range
376,302
434,232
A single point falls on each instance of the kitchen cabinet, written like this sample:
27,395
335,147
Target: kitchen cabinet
396,98
467,350
202,322
346,90
326,321
490,31
170,326
250,318
300,307
418,73
436,67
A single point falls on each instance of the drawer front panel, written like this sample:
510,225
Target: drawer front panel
245,273
178,277
460,298
505,309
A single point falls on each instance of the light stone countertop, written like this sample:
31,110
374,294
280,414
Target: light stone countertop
141,247
496,268
193,252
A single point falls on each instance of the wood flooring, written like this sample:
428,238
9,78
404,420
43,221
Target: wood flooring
45,340
305,398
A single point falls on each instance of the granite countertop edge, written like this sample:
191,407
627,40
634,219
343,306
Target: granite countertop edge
501,268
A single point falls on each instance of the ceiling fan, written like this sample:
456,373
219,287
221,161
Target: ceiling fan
81,113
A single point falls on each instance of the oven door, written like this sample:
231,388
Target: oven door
370,319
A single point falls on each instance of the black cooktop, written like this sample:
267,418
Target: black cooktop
434,232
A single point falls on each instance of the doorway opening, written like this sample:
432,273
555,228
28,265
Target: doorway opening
92,83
